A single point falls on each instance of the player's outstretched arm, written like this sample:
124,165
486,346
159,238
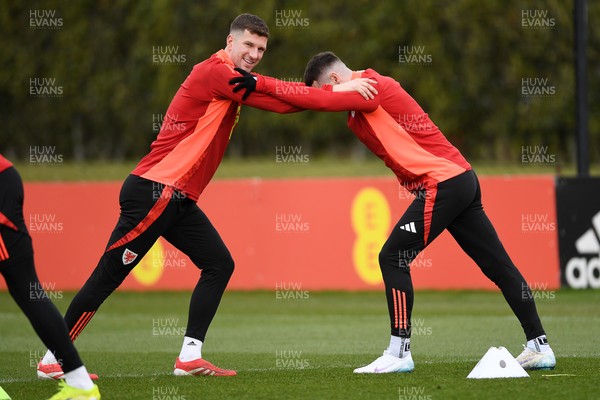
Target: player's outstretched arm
310,98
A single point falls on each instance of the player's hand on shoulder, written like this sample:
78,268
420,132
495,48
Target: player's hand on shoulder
364,86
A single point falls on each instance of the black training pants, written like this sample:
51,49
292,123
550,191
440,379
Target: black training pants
17,267
150,210
454,204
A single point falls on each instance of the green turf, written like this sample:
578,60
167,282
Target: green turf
267,168
326,334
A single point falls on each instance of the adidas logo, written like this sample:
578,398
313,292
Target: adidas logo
410,227
588,242
192,343
580,272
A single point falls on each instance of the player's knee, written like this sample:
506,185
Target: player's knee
220,264
387,258
226,265
396,258
229,266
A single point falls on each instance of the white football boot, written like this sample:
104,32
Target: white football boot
386,364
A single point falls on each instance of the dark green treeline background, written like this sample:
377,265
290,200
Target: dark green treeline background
113,90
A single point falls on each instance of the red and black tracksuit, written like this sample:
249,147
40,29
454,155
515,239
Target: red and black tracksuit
447,195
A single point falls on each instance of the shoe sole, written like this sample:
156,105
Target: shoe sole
381,373
201,372
57,376
194,372
51,376
539,368
391,372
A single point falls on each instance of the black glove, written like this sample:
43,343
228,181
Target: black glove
246,81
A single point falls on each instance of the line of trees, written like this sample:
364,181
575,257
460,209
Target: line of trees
94,77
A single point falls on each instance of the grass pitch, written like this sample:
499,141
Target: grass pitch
306,348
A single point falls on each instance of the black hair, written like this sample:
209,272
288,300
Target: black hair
250,22
317,64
